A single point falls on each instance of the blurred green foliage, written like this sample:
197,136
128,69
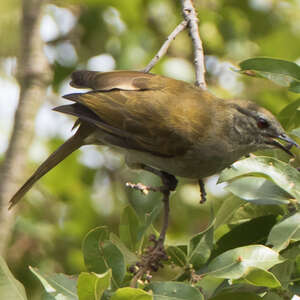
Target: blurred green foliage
76,197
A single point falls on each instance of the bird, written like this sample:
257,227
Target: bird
166,126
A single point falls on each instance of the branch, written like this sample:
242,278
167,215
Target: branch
34,76
190,16
152,257
164,48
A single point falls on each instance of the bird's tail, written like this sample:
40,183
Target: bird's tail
72,144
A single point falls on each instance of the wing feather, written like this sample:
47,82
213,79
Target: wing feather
150,119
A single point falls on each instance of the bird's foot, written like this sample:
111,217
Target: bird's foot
202,191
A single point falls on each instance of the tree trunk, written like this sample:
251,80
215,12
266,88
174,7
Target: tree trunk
34,76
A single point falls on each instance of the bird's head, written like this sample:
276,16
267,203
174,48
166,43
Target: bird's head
257,126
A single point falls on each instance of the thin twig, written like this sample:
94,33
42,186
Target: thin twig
191,16
164,48
166,201
153,255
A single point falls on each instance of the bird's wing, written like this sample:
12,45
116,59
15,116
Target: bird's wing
123,80
150,116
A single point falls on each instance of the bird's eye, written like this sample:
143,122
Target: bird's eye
262,123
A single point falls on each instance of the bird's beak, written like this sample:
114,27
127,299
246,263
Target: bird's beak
287,139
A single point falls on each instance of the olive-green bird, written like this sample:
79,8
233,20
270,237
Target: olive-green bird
162,125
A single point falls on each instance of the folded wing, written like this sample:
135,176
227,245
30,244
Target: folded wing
141,111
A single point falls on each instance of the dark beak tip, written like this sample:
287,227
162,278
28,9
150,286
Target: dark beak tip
290,141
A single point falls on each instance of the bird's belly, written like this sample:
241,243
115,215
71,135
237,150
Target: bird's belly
190,165
198,162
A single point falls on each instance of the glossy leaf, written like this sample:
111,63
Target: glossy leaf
250,232
284,232
282,174
129,228
282,72
130,257
260,277
150,218
235,263
272,296
258,190
296,132
289,116
200,246
229,206
100,254
171,290
236,296
177,256
10,288
91,286
208,285
128,293
57,286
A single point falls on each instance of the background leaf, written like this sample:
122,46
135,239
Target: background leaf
282,72
10,288
254,231
91,286
260,277
289,116
235,263
128,293
258,190
174,291
129,228
200,246
282,174
57,286
284,232
231,296
177,256
100,254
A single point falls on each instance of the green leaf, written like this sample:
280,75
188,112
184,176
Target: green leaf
91,286
284,232
289,116
128,293
229,206
296,132
235,263
100,254
258,190
129,228
271,296
236,296
260,277
177,256
282,174
10,288
57,286
150,218
130,257
208,285
170,290
284,271
246,233
282,72
200,246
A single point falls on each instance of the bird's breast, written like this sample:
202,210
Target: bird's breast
195,163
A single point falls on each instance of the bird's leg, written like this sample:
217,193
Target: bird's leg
151,259
202,191
169,184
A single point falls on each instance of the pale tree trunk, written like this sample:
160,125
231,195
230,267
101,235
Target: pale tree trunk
34,76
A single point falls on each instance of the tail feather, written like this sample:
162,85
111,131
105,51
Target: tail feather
72,144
